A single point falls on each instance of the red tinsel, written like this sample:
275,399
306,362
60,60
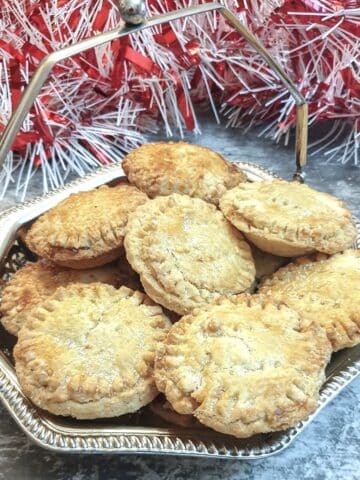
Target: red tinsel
98,102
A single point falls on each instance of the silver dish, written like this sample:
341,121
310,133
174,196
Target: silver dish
142,432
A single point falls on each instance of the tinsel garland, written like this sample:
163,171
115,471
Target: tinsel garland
100,104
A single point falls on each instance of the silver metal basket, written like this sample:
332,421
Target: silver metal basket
141,432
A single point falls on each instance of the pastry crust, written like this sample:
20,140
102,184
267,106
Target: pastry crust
266,263
288,218
22,232
88,351
87,229
324,289
162,408
33,283
127,276
164,168
186,252
243,365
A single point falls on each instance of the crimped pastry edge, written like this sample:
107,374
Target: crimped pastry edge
287,241
334,331
119,401
189,405
147,274
162,184
103,245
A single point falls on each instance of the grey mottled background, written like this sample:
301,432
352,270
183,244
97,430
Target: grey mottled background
328,449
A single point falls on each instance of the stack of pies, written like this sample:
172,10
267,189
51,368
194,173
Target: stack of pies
226,296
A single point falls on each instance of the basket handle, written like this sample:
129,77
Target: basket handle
46,65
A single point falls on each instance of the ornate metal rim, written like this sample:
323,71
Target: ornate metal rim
52,433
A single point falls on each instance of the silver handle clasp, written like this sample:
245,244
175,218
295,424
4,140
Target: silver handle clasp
133,12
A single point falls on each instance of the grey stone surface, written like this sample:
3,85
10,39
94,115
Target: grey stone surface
327,450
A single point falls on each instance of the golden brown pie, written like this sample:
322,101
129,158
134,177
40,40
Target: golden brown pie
186,252
87,229
325,290
243,365
288,218
33,283
88,351
164,168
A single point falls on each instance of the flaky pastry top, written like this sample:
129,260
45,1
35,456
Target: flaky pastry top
326,289
243,365
36,281
164,168
87,223
186,252
89,344
290,211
